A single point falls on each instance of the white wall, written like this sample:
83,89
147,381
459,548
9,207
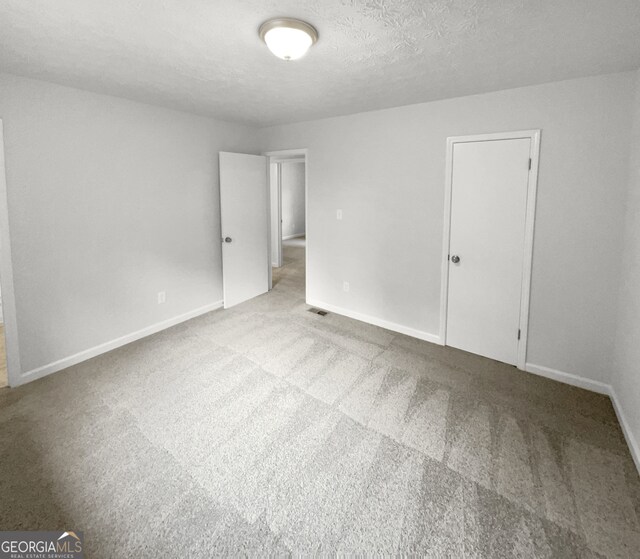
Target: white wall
626,380
292,194
385,170
110,202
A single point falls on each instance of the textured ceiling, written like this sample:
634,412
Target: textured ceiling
205,56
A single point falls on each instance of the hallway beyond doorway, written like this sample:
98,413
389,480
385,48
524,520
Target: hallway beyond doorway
292,270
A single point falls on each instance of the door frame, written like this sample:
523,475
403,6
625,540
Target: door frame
282,156
278,191
530,214
14,370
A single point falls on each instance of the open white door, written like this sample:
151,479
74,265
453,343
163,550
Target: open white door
244,225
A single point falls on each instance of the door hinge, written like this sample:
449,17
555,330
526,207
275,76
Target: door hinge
529,164
518,333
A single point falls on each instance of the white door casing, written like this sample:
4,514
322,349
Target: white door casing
275,159
489,217
275,214
244,226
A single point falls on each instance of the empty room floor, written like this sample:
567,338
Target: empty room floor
270,429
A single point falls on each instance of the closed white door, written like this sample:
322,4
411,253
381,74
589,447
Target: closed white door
486,248
244,225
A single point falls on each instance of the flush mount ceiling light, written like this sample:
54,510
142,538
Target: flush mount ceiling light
288,38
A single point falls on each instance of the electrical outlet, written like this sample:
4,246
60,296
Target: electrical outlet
345,286
162,297
339,214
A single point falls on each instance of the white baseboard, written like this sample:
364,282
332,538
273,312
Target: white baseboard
293,236
377,322
561,376
634,448
600,388
569,378
113,344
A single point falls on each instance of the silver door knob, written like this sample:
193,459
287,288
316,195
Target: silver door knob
455,259
227,239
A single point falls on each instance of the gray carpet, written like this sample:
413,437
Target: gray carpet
267,429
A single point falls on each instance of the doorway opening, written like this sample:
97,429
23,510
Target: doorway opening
288,220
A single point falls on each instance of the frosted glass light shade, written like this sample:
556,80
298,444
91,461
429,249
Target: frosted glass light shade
288,38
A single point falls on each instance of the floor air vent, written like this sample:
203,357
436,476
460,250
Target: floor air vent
318,311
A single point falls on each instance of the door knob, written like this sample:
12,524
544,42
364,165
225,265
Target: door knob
455,259
227,239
